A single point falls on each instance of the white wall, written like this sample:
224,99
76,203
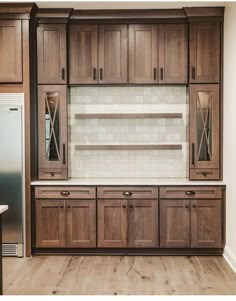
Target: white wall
230,130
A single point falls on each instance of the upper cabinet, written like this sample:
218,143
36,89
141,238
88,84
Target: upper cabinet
83,54
173,53
158,54
98,60
51,53
143,54
204,56
204,132
10,51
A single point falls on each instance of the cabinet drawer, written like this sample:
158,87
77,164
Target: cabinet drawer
65,192
127,192
190,192
55,174
204,174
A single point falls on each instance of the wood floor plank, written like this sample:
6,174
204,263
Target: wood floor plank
118,275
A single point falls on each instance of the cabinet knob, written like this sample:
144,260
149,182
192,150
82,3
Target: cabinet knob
68,207
190,192
65,193
62,207
52,174
127,193
131,206
186,206
124,206
204,174
194,206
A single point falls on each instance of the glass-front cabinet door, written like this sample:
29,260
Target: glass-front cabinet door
52,132
204,132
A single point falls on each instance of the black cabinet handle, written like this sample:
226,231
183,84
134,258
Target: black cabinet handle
63,73
127,193
204,173
193,154
194,206
155,73
131,206
186,206
124,206
190,192
100,73
65,193
62,207
64,153
94,73
68,207
52,174
162,73
193,73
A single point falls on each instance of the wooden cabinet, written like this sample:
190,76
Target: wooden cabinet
173,53
50,224
204,132
127,222
190,223
52,132
112,223
94,60
83,54
204,55
143,54
158,54
51,53
142,224
68,222
10,51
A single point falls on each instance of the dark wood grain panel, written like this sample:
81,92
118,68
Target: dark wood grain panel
134,192
80,223
143,223
175,223
10,51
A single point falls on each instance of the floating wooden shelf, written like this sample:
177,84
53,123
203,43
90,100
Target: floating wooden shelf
127,115
129,147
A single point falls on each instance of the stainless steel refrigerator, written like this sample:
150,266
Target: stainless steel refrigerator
11,178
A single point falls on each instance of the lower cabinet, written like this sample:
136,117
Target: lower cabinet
127,223
65,223
190,223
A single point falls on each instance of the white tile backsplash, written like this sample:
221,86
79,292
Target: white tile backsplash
126,163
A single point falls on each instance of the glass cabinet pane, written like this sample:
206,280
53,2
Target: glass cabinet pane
52,140
204,126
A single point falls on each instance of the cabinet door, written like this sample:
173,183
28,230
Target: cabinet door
173,55
112,223
52,131
143,223
80,223
50,224
51,52
204,127
204,53
83,54
143,54
174,223
113,54
10,51
206,224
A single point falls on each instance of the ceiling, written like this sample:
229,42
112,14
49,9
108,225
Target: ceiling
124,4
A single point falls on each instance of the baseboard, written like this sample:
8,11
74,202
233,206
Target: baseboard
230,257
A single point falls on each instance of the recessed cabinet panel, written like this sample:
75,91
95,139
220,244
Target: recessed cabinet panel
51,53
80,223
175,223
204,53
204,126
52,129
112,223
50,226
173,55
143,223
83,54
113,54
10,51
206,224
143,54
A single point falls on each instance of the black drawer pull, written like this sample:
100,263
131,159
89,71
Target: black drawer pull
155,73
52,174
193,73
190,192
124,206
186,206
65,193
94,73
194,206
162,73
100,73
62,207
127,193
63,73
131,206
64,154
204,174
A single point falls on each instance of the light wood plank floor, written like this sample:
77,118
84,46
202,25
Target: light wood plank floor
118,275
